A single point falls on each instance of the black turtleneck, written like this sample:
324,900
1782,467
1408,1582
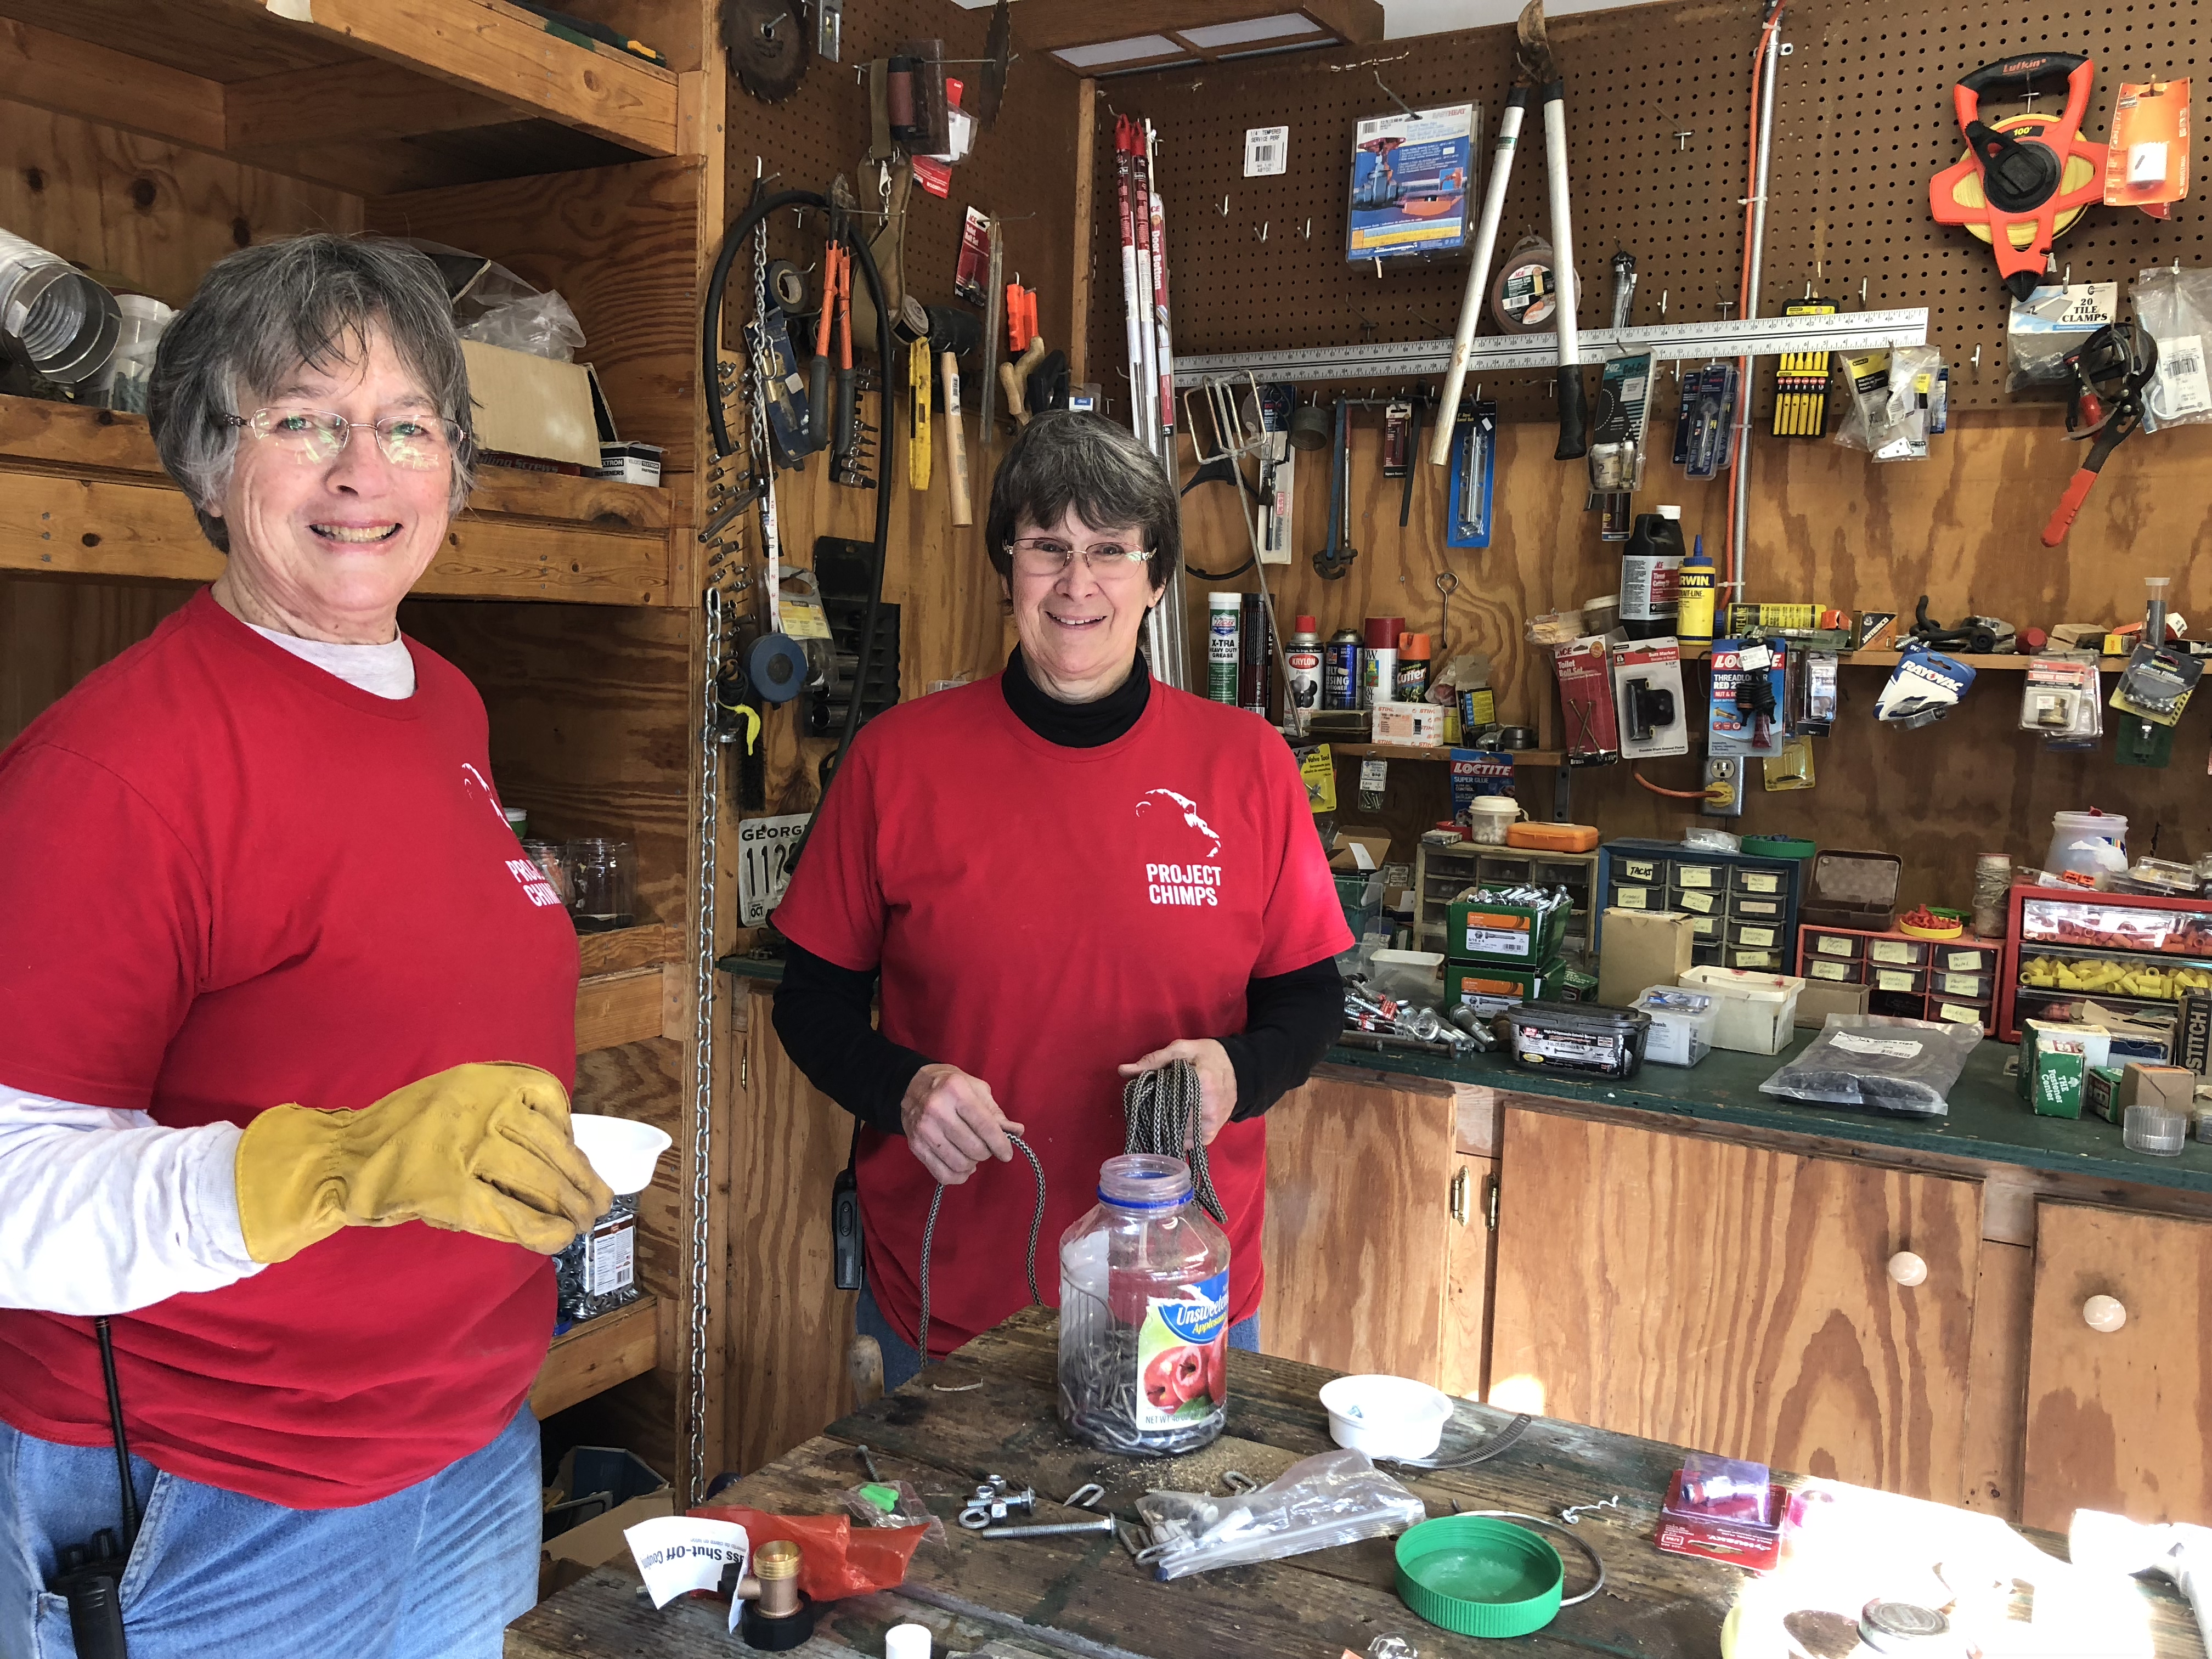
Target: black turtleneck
822,1011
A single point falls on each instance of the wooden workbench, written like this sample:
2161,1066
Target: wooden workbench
988,1409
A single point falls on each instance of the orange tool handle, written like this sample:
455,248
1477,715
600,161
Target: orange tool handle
845,313
2061,516
829,300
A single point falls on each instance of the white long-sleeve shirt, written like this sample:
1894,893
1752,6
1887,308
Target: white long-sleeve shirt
104,1211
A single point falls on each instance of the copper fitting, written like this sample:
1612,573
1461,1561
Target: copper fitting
776,1566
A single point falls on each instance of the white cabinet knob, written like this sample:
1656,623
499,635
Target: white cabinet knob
1908,1269
2104,1313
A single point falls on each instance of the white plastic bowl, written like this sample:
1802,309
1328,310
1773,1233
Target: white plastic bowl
622,1151
1386,1416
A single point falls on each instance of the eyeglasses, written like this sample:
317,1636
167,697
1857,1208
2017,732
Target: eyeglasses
314,437
1048,556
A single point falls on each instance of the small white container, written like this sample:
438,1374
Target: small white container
1386,1416
1682,1025
1489,817
1416,977
1758,1012
623,1152
2089,844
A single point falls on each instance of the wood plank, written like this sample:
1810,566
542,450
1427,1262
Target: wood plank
629,947
596,1355
370,100
1358,1194
1470,1263
90,81
53,633
1747,1307
621,246
211,39
1996,1393
2117,1420
508,55
1078,306
612,1009
56,525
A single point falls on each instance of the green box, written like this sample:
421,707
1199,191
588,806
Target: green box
1465,979
2100,1092
1576,986
1486,929
2059,1074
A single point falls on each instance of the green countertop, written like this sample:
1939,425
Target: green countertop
1987,1120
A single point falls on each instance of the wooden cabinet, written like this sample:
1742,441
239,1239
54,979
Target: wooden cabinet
1727,1296
2116,1417
1359,1215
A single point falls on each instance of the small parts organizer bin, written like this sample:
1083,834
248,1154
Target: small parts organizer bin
1950,980
1743,910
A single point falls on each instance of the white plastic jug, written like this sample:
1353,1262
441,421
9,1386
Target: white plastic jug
2087,843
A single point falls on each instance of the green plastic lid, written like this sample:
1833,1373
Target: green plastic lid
1778,847
1479,1577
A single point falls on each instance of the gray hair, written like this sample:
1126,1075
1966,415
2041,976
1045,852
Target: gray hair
262,312
1067,459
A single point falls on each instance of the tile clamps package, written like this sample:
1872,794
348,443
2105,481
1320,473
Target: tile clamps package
2060,699
1885,1064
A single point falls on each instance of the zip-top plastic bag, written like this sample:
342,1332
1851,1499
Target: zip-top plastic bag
1336,1497
1885,1064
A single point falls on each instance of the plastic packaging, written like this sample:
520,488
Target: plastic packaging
906,1508
1682,1025
2175,309
1579,1040
1143,1320
1489,817
834,1561
2162,1130
2061,698
2091,843
1905,1066
1318,1504
597,1272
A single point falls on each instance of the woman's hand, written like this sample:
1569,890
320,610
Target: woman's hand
1216,1080
952,1124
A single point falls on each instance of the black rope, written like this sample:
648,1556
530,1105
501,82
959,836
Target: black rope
929,1237
1165,1110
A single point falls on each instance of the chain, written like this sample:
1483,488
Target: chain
763,455
702,1049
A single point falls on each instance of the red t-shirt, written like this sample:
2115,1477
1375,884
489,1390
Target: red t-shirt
1042,915
230,881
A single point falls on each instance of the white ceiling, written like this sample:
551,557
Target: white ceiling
1403,17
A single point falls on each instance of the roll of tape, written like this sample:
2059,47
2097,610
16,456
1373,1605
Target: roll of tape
1517,736
776,666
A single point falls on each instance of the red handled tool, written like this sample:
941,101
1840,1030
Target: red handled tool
2113,369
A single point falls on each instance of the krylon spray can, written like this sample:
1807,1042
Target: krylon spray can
1339,670
1303,660
1222,653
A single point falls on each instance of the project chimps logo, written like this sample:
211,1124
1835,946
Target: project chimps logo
1175,826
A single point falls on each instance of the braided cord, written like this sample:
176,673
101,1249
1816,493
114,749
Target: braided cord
929,1237
1164,1109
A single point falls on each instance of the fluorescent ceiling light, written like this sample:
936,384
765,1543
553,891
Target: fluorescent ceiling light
1107,53
1211,35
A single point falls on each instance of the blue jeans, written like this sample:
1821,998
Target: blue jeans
902,1360
434,1571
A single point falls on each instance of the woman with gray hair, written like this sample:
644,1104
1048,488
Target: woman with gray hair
284,1077
1061,877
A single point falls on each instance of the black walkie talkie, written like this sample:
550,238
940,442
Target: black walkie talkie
89,1576
845,1222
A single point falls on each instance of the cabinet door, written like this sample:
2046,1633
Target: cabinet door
2116,1417
1468,1257
1359,1180
1735,1300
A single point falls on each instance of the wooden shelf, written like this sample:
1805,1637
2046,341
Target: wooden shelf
597,1354
82,493
2016,662
373,96
632,988
1408,751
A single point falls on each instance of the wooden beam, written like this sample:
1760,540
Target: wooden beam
1055,25
648,946
597,1354
507,54
1078,319
75,77
612,1009
369,100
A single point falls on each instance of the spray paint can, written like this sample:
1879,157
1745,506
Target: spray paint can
1222,646
1339,670
1413,668
1378,661
1303,660
1252,675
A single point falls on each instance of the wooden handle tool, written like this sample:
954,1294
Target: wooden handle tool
956,446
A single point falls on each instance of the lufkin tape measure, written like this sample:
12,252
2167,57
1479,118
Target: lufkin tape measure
2028,179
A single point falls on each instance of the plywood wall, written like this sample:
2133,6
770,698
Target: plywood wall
1826,526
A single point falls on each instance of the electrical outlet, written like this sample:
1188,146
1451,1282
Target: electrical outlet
1728,771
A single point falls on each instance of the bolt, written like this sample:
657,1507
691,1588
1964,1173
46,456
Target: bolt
1058,1529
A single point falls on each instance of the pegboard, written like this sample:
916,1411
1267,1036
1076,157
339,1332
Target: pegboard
1657,106
1020,170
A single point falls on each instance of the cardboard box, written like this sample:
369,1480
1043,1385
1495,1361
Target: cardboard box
527,405
1820,998
2100,1093
1420,724
630,462
2171,1087
629,1490
1464,981
2192,1033
1642,949
2060,1074
1359,848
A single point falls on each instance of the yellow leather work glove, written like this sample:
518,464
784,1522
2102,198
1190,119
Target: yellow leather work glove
481,1149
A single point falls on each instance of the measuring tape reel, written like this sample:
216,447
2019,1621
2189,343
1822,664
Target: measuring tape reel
2025,181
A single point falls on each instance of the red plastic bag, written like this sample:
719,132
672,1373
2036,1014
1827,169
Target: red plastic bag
835,1559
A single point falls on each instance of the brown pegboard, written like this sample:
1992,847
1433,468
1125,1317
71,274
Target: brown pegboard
1863,118
1022,170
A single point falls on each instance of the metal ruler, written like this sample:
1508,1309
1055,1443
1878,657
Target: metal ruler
1758,337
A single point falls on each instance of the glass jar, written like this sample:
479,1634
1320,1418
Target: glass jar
1144,1313
598,1272
552,858
602,884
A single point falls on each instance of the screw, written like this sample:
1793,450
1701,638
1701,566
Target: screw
1059,1529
